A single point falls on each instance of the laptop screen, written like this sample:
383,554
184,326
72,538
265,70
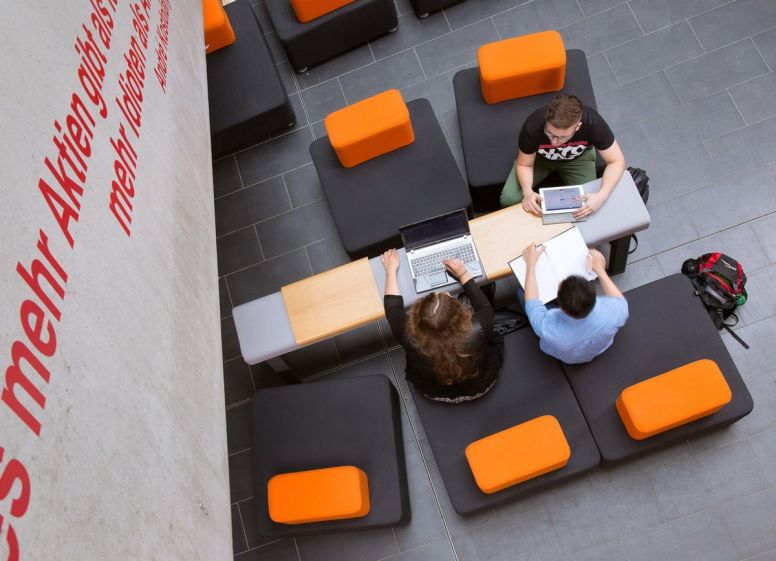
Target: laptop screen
420,234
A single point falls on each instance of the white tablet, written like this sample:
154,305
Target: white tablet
556,200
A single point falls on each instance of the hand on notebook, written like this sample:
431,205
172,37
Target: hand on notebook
390,260
596,262
593,201
532,202
457,269
531,254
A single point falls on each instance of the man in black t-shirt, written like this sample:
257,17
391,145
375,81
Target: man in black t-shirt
563,138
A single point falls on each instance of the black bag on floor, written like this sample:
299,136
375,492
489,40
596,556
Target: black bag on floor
720,282
641,179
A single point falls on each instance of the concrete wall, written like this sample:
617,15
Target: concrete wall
112,429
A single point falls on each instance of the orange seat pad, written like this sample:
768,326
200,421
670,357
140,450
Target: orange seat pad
308,10
672,399
522,66
218,30
370,128
518,454
317,495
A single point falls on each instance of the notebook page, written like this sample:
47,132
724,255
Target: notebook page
568,254
546,277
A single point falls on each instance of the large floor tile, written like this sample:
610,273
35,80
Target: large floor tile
732,160
327,254
756,98
537,16
241,482
764,446
249,514
313,359
674,174
591,7
738,242
455,49
301,226
412,31
528,535
717,70
267,277
281,550
757,198
346,62
238,428
641,98
762,304
226,178
397,72
230,346
601,73
248,206
766,44
224,300
734,21
602,31
670,227
239,543
369,545
303,185
359,343
238,250
323,98
751,523
761,356
655,51
464,13
277,156
691,123
639,273
765,230
440,550
654,14
238,383
438,90
609,551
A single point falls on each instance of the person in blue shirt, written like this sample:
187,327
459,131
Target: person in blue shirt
583,325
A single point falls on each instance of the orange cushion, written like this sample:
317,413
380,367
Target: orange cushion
672,399
317,495
518,454
308,10
522,66
370,128
218,30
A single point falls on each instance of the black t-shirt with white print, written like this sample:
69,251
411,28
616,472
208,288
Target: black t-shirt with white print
593,132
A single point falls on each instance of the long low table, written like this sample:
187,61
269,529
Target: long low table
348,297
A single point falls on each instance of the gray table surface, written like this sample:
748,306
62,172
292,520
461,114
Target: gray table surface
264,330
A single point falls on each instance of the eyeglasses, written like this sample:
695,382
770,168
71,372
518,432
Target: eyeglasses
565,138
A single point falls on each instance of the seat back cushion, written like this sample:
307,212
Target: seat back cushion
308,10
518,454
317,495
370,128
666,401
522,66
218,30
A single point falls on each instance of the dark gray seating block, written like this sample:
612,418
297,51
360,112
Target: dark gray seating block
246,96
369,202
531,384
667,328
331,423
489,131
332,34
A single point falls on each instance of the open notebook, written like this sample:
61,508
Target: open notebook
564,255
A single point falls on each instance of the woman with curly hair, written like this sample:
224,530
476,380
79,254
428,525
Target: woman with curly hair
453,354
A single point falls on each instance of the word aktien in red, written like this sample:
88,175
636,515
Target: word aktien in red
162,37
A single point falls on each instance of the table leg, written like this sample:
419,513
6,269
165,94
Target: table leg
618,255
282,369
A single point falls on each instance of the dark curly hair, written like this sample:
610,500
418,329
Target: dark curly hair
440,327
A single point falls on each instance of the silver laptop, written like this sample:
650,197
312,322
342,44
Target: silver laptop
429,242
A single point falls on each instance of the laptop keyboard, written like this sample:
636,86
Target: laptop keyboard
433,262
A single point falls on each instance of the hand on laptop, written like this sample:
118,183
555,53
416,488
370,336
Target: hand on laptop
390,260
593,201
458,270
532,202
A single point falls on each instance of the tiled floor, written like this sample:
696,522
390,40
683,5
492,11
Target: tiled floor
690,90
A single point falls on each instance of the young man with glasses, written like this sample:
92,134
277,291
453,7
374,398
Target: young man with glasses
563,138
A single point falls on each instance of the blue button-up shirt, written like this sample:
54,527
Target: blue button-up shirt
577,340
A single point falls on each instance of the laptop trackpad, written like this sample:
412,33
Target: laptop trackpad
437,279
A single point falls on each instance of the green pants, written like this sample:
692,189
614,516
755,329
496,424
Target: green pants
572,172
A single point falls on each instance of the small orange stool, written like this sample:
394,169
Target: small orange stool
522,66
370,128
672,399
218,30
518,454
318,495
308,10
